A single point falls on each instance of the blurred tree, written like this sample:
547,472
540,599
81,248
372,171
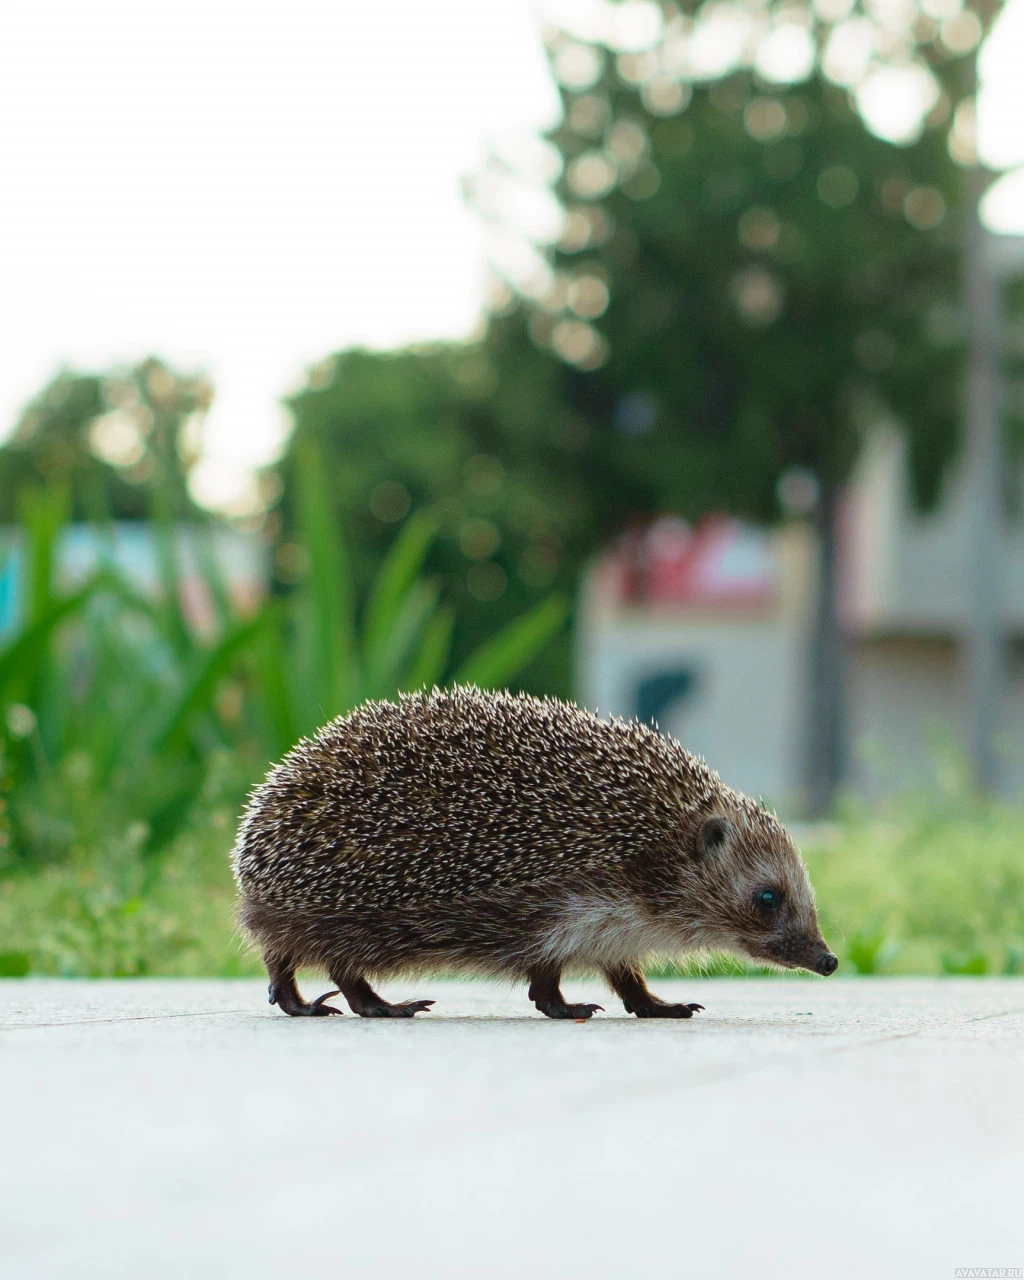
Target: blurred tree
748,276
110,437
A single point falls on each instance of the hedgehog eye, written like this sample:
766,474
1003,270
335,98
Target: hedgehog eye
768,899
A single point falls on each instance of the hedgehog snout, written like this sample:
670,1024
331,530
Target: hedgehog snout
797,948
810,952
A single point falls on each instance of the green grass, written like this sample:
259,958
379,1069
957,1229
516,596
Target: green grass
937,888
113,910
931,891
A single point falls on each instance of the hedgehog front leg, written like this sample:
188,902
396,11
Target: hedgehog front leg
368,1004
629,985
285,994
547,996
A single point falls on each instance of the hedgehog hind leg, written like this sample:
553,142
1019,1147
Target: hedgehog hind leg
546,994
285,994
629,985
364,1001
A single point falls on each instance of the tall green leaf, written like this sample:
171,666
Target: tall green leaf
197,696
276,699
203,545
394,652
495,662
394,581
431,658
327,613
162,524
44,513
21,658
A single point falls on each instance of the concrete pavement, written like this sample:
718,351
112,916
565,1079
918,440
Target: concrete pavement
850,1128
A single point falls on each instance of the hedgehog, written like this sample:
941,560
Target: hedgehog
502,834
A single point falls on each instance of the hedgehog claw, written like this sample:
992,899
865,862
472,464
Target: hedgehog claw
317,1006
410,1007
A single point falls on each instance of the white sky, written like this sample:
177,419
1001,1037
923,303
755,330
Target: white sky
247,187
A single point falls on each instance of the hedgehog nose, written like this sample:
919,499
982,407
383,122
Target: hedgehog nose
827,964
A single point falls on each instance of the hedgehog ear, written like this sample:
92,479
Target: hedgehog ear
712,836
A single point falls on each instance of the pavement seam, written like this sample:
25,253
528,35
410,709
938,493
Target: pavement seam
132,1017
917,1031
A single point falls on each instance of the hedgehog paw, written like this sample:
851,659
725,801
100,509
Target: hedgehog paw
291,1003
578,1012
364,1001
666,1010
583,1010
381,1009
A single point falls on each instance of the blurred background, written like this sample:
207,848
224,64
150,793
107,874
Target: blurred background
666,355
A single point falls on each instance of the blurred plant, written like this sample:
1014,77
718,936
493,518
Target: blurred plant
15,964
926,882
115,708
969,964
868,950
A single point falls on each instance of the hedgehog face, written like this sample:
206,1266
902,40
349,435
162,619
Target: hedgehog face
760,897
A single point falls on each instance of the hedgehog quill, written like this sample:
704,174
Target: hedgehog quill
512,836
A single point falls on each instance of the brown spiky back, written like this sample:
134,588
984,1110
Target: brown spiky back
454,793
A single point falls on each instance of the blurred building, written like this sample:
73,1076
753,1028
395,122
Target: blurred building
706,631
906,603
702,630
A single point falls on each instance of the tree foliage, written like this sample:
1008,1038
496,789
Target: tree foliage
109,437
747,275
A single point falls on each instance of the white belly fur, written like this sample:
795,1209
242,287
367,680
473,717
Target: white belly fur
594,933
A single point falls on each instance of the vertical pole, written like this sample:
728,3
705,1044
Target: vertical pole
984,627
826,702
